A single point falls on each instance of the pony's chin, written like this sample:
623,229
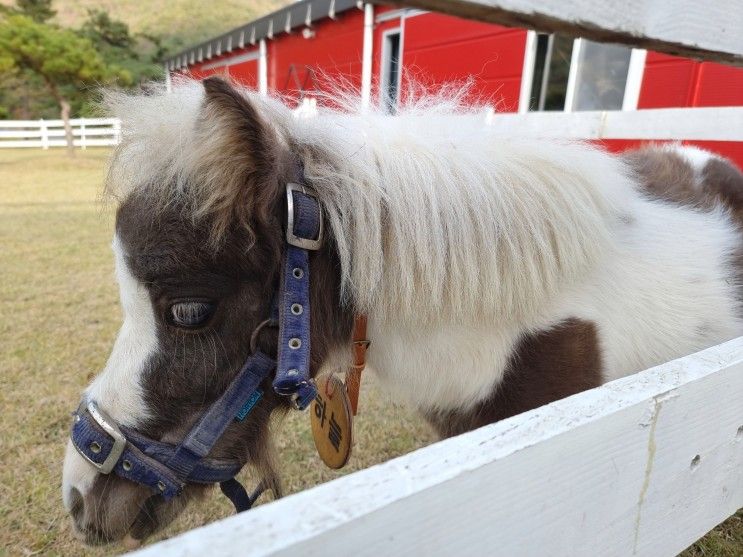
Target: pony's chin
148,521
154,515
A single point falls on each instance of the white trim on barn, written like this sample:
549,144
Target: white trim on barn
255,55
644,465
367,55
527,72
262,68
397,14
573,75
635,73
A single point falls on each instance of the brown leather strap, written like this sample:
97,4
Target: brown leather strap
359,345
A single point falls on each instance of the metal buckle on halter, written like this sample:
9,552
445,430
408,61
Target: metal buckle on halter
293,239
110,427
295,399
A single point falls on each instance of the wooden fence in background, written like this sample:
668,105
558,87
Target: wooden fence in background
45,134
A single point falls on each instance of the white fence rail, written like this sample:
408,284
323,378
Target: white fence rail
87,132
643,466
700,124
714,124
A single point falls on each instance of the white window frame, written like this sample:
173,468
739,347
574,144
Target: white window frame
635,73
632,86
384,61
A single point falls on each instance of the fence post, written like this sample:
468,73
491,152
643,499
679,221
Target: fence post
83,142
44,134
117,131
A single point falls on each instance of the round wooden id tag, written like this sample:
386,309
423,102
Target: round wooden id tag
331,419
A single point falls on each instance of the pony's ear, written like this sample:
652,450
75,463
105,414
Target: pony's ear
238,152
239,121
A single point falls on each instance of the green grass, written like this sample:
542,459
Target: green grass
59,317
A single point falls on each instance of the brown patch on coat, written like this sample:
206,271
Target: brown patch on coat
665,175
669,176
545,366
724,181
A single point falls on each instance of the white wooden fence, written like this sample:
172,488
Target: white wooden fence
87,132
644,465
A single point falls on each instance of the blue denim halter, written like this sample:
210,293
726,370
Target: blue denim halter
166,468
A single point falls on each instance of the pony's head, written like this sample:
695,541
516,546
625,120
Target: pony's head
200,178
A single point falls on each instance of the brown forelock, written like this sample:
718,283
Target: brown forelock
173,254
545,366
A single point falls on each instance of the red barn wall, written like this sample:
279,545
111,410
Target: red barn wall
244,72
670,81
333,53
439,49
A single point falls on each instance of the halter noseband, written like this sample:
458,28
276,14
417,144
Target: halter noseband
166,468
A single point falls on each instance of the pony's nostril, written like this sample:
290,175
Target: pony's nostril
77,504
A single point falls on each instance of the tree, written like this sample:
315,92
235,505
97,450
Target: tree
39,10
63,60
112,40
101,29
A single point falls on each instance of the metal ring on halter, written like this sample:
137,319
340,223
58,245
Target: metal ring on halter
270,322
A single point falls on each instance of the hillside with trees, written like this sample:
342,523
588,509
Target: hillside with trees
54,55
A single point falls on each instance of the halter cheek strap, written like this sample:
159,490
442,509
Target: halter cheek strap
303,233
167,468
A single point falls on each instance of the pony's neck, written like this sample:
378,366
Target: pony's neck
435,218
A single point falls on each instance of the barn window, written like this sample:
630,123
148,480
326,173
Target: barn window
391,70
551,70
578,74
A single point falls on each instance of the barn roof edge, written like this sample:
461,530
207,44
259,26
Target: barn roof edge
288,18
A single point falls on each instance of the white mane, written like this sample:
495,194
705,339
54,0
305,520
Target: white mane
432,212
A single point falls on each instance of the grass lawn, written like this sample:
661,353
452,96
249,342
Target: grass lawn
59,317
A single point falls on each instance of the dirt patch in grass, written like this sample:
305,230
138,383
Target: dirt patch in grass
59,317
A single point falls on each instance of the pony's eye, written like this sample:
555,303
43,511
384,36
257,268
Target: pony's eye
190,314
